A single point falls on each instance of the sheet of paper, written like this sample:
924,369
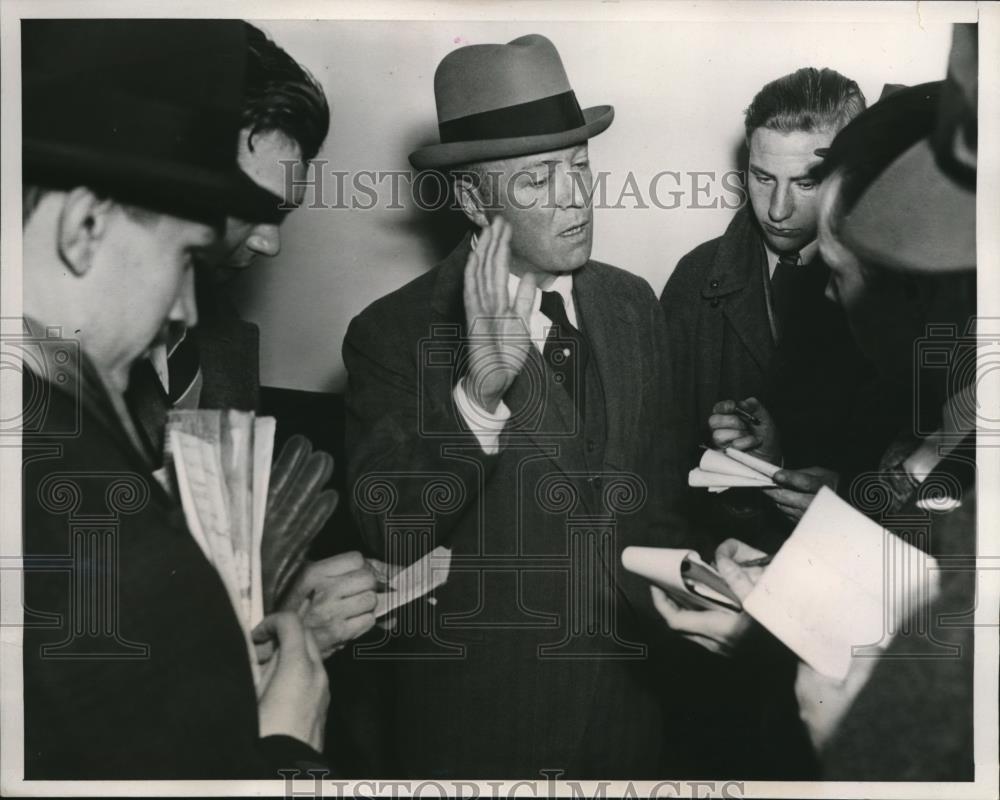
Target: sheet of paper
682,574
840,582
263,452
719,462
701,479
415,581
758,465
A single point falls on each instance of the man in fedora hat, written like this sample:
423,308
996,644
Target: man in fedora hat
511,401
135,666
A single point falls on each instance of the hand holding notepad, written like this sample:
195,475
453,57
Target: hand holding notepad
726,469
837,590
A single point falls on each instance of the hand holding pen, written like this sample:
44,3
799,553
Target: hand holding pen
745,425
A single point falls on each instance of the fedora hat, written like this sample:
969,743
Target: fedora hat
147,111
504,100
919,213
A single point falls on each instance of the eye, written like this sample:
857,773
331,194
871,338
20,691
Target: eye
582,164
538,181
807,186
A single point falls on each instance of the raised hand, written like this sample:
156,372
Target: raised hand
498,324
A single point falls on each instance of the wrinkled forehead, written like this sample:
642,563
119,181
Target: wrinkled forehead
566,155
789,153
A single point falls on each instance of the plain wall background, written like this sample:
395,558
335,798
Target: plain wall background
679,90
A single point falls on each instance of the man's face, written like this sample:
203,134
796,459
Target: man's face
244,241
782,193
545,198
145,268
883,317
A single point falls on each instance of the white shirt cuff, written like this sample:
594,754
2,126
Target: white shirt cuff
486,426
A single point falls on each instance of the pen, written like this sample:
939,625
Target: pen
746,416
763,561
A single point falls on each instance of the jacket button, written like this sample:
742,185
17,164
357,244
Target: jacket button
591,445
715,302
714,284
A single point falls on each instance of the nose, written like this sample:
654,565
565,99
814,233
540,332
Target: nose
185,308
782,206
569,191
265,240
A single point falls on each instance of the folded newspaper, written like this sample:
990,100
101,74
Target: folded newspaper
720,470
219,463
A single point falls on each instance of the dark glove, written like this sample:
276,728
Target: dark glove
297,509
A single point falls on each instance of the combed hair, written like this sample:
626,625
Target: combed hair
280,95
808,99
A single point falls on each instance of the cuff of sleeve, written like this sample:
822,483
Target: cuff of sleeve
486,427
285,753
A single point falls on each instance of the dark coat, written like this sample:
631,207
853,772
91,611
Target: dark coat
502,676
830,409
155,682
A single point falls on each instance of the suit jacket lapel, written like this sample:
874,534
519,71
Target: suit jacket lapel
608,321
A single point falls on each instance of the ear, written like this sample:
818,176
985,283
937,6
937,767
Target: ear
83,224
470,201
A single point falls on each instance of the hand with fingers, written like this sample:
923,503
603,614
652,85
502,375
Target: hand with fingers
824,702
745,425
297,509
336,599
498,324
797,488
717,630
293,695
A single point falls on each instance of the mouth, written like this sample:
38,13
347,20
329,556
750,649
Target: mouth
575,231
783,232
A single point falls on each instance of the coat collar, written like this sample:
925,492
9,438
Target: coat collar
736,278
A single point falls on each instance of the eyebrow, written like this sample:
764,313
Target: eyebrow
580,152
808,176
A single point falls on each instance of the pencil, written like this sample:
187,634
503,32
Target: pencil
746,416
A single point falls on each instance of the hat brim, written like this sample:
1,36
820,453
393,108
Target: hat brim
175,188
915,217
437,156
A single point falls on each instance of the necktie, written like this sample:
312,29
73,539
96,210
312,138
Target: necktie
565,350
783,283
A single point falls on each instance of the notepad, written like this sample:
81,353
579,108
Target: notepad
683,575
840,586
417,580
720,470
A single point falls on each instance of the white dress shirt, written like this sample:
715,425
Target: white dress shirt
486,426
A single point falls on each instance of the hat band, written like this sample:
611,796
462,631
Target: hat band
555,114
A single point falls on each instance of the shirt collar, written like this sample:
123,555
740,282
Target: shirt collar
806,255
